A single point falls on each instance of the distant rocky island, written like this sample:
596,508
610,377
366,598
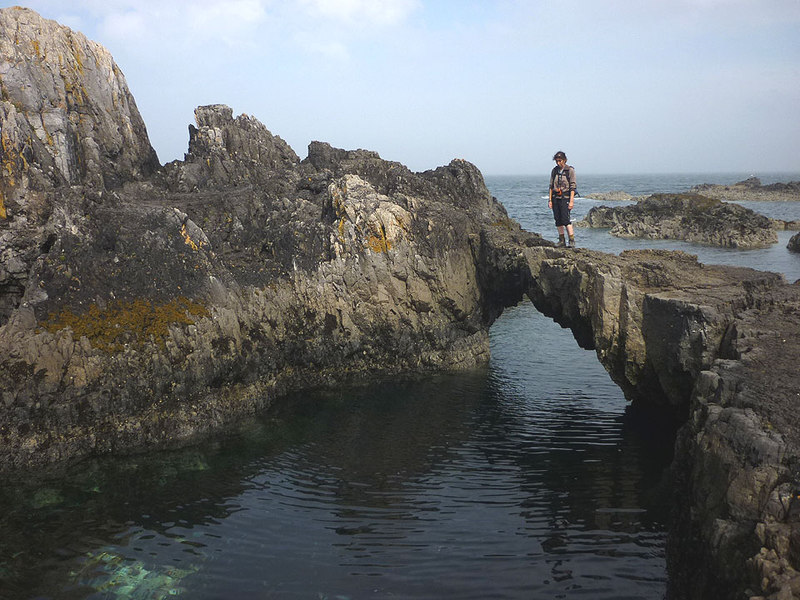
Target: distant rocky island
146,305
751,189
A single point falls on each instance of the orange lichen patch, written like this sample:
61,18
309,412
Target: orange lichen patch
3,213
189,241
11,159
124,323
76,53
379,243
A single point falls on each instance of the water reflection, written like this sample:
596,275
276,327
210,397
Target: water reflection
522,480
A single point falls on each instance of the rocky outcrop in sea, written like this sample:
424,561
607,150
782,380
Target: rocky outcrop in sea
613,196
688,217
750,189
143,306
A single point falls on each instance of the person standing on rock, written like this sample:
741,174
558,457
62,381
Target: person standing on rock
562,197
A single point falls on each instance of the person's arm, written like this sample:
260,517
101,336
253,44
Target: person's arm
573,185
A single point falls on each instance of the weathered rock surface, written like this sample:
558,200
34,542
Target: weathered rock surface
75,100
686,217
66,118
145,310
750,189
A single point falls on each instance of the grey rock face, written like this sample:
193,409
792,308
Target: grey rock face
66,118
686,217
74,100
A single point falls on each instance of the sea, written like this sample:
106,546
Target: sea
528,478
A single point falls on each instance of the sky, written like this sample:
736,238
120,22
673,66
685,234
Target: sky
621,86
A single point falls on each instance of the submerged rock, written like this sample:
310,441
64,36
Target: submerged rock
686,217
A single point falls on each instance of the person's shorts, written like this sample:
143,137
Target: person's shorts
561,210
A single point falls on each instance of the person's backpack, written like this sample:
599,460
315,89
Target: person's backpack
554,172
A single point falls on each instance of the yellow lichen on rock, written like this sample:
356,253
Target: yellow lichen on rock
189,241
124,323
379,243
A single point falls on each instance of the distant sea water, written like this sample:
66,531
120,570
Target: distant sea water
525,479
525,198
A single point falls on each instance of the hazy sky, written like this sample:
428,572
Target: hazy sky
622,86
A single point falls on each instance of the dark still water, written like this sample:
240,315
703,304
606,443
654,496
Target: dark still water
520,480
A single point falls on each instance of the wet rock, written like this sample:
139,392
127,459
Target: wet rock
686,217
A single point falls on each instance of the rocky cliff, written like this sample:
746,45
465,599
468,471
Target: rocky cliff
143,307
688,217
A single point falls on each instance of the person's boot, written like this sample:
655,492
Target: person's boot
572,241
561,242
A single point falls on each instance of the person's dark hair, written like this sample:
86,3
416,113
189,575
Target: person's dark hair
559,154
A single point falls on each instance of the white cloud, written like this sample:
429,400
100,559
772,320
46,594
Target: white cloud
362,12
322,46
227,21
125,25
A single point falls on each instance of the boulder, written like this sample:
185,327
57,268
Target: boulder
794,243
781,225
688,217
